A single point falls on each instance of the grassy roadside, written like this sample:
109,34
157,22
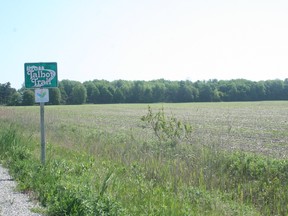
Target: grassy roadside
117,174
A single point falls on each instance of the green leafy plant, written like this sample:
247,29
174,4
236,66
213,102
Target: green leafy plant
167,128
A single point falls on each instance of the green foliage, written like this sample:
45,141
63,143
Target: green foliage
120,91
6,93
54,96
15,99
167,128
64,96
260,180
66,89
79,94
105,94
8,138
56,185
92,92
28,98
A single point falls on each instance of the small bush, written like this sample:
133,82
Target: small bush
167,129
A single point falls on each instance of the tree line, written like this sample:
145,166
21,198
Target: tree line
122,91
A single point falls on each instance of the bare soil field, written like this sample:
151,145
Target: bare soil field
250,126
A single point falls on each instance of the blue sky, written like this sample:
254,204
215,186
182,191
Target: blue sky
145,40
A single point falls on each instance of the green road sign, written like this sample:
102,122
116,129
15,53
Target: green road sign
41,75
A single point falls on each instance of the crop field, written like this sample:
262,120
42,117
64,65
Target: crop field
157,159
260,127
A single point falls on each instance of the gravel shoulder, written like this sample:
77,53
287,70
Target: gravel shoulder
12,202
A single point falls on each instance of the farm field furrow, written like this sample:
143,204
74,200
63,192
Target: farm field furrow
250,126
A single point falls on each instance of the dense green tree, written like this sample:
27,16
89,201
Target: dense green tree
285,90
257,91
159,91
216,95
79,94
92,92
187,92
63,95
243,90
137,92
206,93
148,95
105,95
121,91
119,96
28,98
54,96
171,91
231,93
6,92
15,99
274,89
94,95
66,88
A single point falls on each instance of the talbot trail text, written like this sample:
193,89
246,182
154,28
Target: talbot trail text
40,76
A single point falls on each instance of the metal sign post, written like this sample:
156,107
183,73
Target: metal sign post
43,147
42,96
37,76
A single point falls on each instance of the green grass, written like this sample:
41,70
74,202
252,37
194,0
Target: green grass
103,160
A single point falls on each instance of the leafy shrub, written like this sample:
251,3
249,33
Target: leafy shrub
167,128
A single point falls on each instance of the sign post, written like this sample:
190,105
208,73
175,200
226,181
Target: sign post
43,145
42,96
41,76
